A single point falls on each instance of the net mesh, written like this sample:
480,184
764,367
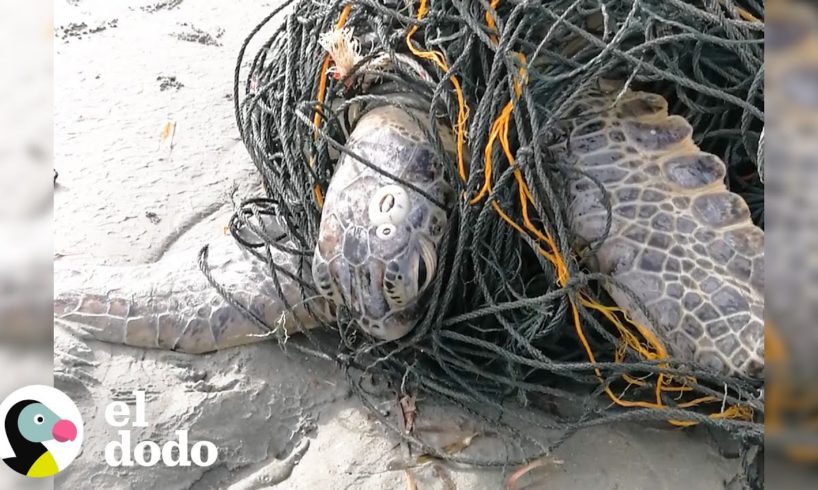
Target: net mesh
512,315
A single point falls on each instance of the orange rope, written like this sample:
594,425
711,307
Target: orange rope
463,111
322,90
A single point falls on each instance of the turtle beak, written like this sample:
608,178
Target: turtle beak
64,430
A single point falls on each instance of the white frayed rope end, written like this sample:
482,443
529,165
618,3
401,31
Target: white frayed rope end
344,50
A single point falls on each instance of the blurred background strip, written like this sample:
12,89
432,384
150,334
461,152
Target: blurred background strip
791,178
26,189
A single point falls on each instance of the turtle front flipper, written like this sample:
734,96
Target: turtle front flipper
679,240
171,304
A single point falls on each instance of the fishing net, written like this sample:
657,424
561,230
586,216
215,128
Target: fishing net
512,316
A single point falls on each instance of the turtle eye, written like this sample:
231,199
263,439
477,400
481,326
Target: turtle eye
39,419
426,264
425,270
422,273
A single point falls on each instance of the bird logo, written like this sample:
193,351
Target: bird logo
43,431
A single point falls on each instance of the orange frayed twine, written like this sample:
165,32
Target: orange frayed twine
322,91
462,109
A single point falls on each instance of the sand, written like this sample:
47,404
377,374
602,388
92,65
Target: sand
124,70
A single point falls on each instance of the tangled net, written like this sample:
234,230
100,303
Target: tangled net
505,320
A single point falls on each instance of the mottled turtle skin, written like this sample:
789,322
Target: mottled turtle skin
377,245
679,241
171,305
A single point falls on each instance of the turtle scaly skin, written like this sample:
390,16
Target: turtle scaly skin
171,304
679,240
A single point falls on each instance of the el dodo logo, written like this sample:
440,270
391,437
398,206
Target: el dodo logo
42,431
148,453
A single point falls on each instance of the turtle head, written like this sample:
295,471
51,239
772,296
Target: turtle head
377,250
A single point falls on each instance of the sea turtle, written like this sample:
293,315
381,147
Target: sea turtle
679,241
